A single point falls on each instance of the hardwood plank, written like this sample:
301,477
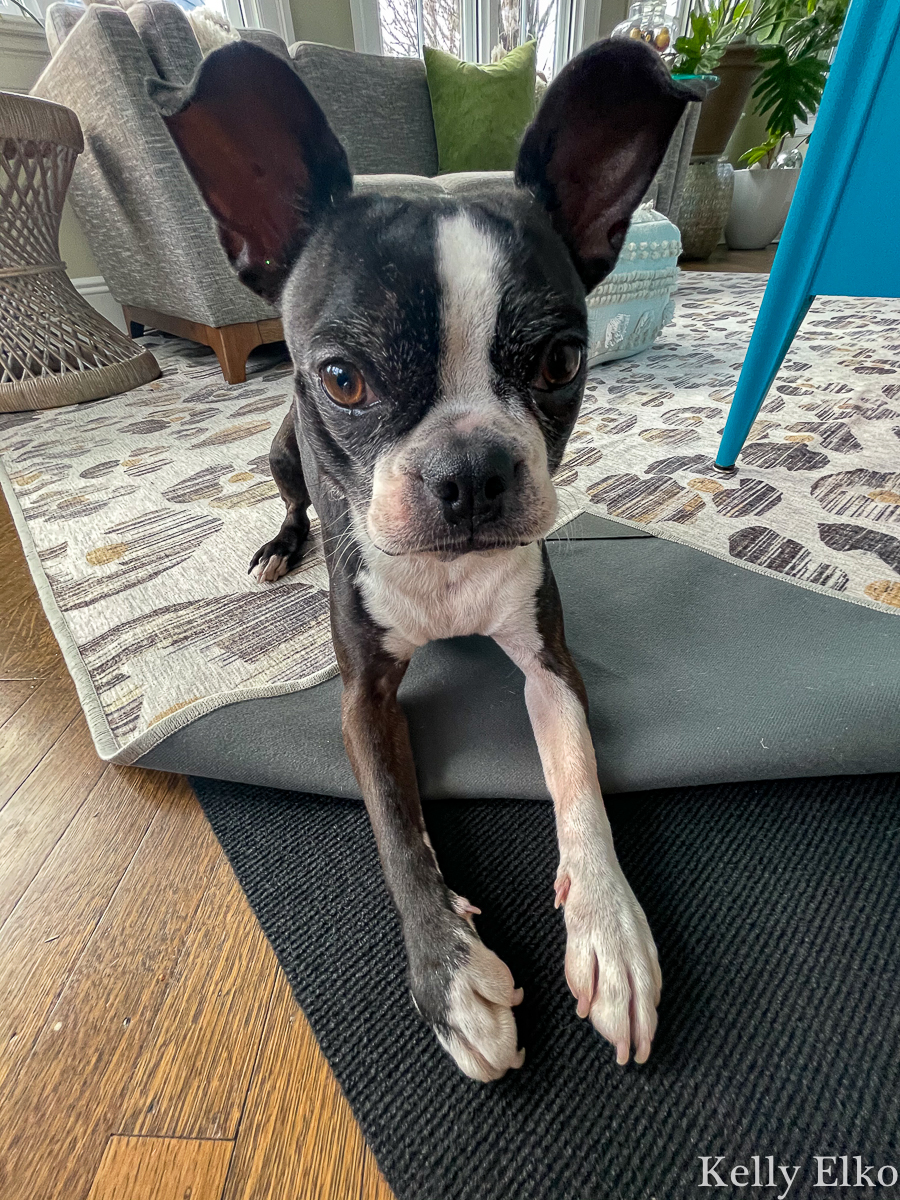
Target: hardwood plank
68,1094
232,345
27,736
140,1168
14,693
58,913
374,1185
193,1077
722,259
194,331
37,814
298,1139
28,646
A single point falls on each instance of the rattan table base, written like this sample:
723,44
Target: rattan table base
55,348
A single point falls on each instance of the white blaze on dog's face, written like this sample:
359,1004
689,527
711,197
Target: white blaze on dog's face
471,439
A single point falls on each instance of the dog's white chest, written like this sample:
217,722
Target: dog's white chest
418,599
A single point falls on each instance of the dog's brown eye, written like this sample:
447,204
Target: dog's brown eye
344,384
561,364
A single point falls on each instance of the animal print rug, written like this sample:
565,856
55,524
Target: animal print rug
139,514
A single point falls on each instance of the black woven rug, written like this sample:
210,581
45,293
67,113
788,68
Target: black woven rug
776,909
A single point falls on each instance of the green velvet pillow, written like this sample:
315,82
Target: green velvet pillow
480,112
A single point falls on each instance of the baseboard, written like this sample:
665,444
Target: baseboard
97,294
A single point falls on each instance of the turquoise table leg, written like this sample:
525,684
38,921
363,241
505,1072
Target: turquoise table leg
779,319
849,178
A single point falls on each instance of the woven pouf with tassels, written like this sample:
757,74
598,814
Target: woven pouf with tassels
54,347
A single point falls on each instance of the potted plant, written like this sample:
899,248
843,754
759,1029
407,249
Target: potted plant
717,44
715,49
799,37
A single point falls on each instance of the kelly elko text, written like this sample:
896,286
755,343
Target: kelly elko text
823,1171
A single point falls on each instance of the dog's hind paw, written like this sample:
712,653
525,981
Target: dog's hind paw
471,1012
612,967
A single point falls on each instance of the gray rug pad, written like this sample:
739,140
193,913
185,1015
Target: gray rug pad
697,671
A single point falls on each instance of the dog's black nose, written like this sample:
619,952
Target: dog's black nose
469,481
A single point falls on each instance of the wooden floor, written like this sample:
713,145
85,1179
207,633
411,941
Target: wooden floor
150,1048
723,259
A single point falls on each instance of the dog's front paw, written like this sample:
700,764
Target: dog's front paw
467,994
281,555
611,963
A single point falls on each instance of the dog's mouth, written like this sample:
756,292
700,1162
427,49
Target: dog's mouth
456,545
456,549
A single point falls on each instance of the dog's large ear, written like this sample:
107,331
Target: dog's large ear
262,154
596,143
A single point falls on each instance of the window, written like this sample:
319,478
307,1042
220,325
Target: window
408,25
524,19
476,30
251,14
31,11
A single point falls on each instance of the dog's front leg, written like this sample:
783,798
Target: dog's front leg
462,989
611,961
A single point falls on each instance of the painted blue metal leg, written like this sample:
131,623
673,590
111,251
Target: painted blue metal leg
772,336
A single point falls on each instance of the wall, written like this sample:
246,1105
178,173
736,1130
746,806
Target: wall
74,250
323,21
611,13
23,55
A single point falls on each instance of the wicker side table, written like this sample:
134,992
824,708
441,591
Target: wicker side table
54,347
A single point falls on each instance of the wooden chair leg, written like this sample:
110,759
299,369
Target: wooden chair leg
232,344
135,328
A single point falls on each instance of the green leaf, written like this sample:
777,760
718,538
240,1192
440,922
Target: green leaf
789,89
758,153
713,26
794,37
692,47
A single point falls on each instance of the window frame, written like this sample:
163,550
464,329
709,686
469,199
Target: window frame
480,28
13,17
274,15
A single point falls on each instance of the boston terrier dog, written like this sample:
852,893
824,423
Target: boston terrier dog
439,350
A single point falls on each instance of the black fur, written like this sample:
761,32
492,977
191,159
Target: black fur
366,289
360,284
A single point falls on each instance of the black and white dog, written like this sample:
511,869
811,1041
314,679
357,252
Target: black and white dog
439,364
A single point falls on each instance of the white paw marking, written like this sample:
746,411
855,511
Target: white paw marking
482,1038
267,570
611,963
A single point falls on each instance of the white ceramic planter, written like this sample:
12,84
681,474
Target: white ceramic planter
760,207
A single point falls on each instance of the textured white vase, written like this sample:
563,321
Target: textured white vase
627,311
760,206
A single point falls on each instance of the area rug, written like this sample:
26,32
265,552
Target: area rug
140,513
776,910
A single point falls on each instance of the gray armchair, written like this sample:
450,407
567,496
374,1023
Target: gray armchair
141,213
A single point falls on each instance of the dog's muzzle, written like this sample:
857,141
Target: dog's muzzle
462,490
